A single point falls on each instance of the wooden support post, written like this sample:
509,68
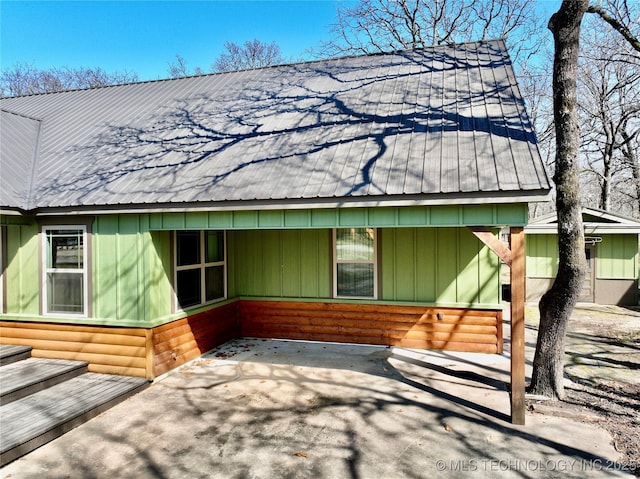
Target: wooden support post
517,325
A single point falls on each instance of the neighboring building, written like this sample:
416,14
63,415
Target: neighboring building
341,200
611,247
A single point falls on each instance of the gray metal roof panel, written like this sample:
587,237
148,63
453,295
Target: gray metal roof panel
19,137
440,120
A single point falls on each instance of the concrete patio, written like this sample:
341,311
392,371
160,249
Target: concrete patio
278,409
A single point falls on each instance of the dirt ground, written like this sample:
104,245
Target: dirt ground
603,374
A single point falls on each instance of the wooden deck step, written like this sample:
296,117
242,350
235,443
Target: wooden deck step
22,378
10,354
41,417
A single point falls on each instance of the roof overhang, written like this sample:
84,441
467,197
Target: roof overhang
314,203
610,224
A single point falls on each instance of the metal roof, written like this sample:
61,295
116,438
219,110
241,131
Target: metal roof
595,221
444,123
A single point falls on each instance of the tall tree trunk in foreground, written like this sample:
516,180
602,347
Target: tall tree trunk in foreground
557,304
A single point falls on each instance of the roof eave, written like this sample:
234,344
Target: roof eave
476,198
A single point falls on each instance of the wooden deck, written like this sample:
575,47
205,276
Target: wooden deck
10,354
41,399
23,378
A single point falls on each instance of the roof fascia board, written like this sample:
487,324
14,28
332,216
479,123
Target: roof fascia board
588,229
372,202
552,218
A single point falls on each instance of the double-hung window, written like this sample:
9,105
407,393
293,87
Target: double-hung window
65,288
200,267
355,265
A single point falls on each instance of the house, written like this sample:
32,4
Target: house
611,247
356,199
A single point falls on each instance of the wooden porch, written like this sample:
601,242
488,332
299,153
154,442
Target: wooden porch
41,399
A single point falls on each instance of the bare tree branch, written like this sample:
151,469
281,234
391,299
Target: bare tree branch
617,26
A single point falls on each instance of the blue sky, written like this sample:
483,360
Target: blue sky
143,36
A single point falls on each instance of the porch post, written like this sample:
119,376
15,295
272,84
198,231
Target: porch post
517,324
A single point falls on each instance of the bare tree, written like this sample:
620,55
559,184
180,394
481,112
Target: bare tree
609,101
629,148
178,68
372,26
252,54
25,79
557,304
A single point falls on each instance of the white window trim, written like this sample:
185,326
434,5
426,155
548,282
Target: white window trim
84,271
202,266
336,262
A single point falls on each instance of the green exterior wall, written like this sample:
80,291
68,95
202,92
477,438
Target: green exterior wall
438,216
22,270
438,265
280,263
131,270
426,265
269,255
542,255
616,256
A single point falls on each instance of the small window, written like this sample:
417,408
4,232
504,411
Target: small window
65,270
355,269
200,268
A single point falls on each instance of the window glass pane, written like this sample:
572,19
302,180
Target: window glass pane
214,282
355,279
188,287
64,249
214,246
354,244
188,247
64,293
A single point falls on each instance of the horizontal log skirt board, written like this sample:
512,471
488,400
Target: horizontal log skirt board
180,341
453,329
110,350
151,352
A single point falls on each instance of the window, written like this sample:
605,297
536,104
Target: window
355,269
65,270
200,276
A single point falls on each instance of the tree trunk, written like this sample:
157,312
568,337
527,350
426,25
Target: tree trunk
557,304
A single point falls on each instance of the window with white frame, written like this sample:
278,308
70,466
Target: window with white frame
200,267
65,288
355,265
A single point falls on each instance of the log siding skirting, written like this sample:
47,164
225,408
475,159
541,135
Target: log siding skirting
420,327
151,352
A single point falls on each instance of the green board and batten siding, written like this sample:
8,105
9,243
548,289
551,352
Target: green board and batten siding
424,265
617,256
425,257
22,271
436,216
131,282
437,265
125,248
279,263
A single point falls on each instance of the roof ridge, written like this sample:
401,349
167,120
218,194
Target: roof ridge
268,67
22,115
